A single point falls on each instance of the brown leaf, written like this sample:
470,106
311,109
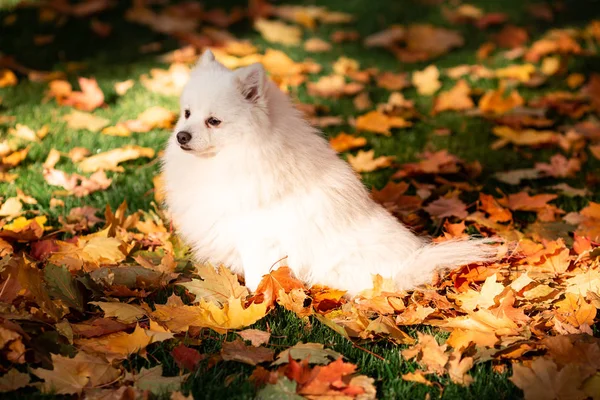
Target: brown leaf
255,336
186,357
238,351
73,375
542,380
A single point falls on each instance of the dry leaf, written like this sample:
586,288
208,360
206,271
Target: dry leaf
110,160
364,161
427,81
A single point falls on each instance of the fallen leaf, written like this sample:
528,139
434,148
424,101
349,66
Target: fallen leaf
344,142
375,121
457,99
73,375
364,161
427,81
252,355
81,120
109,160
278,32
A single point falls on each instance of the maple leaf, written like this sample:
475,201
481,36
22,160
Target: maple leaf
13,380
121,311
427,81
542,380
485,298
457,99
153,380
62,285
25,132
559,167
575,310
364,161
333,86
344,142
90,97
81,120
296,301
275,283
312,353
457,368
217,286
73,375
418,377
167,82
375,121
496,212
447,207
123,87
186,357
278,32
232,316
120,345
76,184
255,336
11,208
499,101
284,388
316,45
238,351
109,160
428,353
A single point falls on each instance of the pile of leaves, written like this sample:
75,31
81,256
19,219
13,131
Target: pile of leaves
86,292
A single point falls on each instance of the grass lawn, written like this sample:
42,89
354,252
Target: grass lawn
117,58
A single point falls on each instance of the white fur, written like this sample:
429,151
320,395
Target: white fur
264,185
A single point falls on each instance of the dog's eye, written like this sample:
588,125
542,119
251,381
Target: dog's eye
186,114
212,121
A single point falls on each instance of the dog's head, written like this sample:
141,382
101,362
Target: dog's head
219,106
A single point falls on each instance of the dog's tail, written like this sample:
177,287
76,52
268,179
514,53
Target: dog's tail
441,257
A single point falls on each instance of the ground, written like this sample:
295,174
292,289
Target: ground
117,57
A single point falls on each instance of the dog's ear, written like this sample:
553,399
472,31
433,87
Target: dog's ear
206,58
252,82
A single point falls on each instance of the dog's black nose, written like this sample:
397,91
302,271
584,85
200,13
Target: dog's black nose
184,137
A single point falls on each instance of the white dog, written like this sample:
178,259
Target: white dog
249,182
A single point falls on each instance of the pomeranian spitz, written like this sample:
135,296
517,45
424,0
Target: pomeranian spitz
249,182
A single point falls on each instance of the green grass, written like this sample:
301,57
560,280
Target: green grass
111,60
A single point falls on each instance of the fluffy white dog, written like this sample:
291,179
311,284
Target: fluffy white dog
249,182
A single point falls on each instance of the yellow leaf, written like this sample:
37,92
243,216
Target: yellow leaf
542,380
217,286
7,78
457,99
364,161
123,312
344,142
117,346
72,375
83,120
375,121
278,32
427,81
109,160
575,310
207,314
522,73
